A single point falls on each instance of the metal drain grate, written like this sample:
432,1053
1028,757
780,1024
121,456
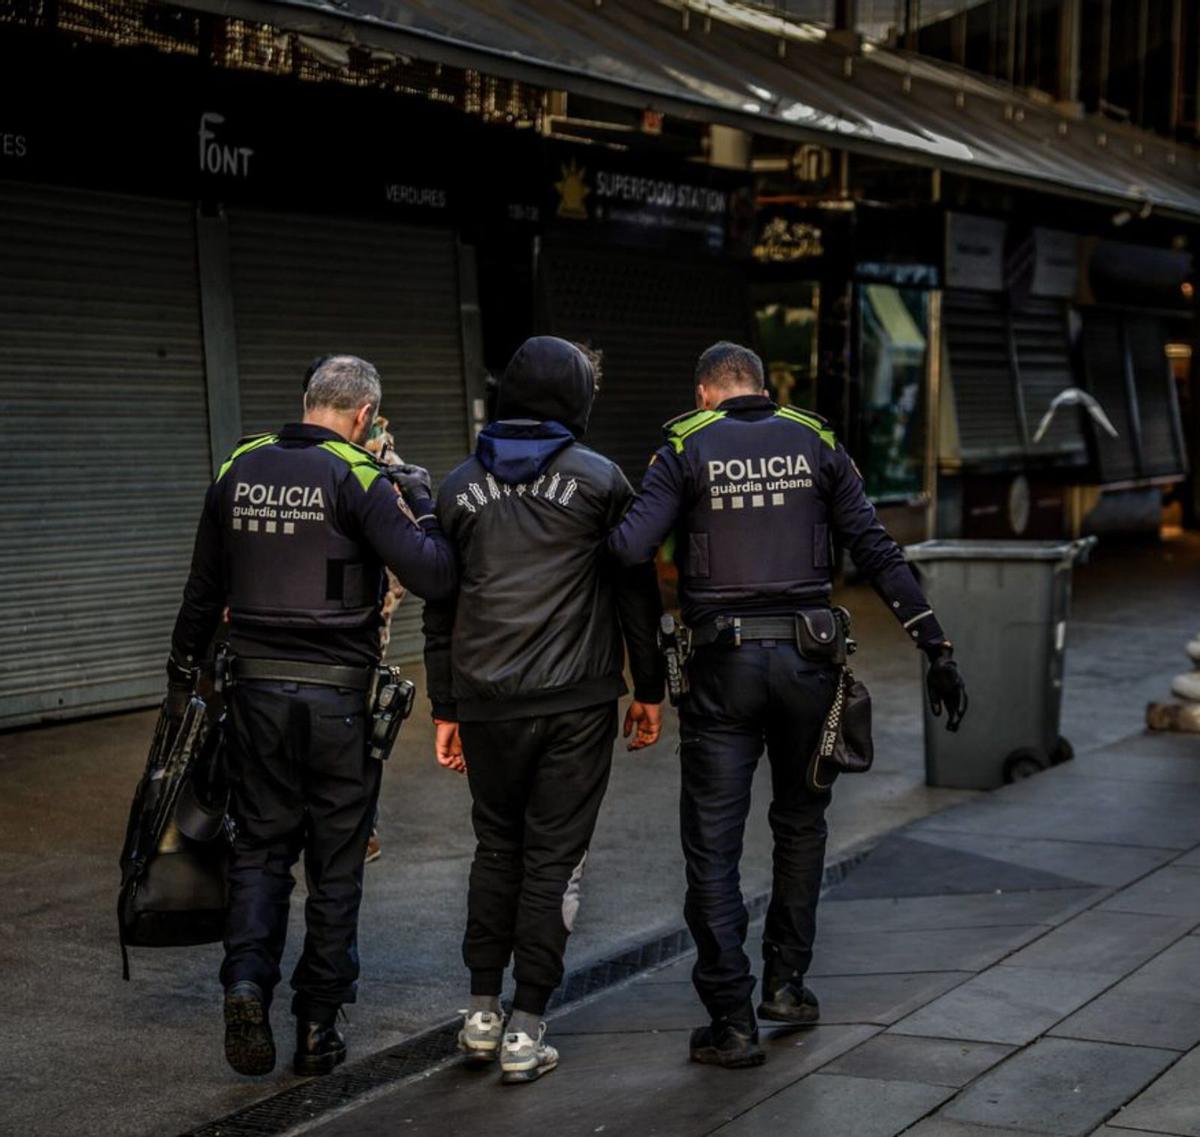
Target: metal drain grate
285,1111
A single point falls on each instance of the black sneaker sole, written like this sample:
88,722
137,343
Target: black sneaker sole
249,1044
314,1065
793,1015
711,1056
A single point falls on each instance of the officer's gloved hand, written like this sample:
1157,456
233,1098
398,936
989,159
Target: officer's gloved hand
413,481
181,681
945,686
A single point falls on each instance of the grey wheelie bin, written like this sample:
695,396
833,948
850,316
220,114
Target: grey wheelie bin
1005,605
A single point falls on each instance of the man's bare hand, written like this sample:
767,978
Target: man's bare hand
647,718
449,747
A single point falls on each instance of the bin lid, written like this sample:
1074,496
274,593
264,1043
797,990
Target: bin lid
963,549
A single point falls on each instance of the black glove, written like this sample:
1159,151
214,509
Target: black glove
181,681
946,687
413,481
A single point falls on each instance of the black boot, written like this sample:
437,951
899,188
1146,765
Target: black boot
730,1041
785,999
320,1048
249,1044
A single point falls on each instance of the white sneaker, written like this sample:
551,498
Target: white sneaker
480,1036
524,1060
1187,686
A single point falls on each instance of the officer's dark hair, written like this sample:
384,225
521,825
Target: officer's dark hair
729,366
343,383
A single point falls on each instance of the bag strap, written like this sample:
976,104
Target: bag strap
831,730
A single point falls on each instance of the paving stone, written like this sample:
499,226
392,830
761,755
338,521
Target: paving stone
1189,860
1005,1004
1169,823
1141,764
1103,1131
961,910
1158,1005
880,999
1170,891
642,1085
638,1007
941,1126
1094,864
903,866
1170,1105
827,1104
940,949
1058,1085
1111,942
901,1058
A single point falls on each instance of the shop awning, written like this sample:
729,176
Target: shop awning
740,66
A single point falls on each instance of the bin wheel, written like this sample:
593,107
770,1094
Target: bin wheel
1063,752
1023,764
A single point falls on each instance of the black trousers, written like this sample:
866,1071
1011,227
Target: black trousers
301,781
537,785
741,700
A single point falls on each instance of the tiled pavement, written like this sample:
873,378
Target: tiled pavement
1026,962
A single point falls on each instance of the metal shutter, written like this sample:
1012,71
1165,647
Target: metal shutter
651,316
103,445
306,286
1158,410
1104,364
976,334
1041,341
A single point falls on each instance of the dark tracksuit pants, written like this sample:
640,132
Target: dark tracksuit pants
537,784
741,699
301,779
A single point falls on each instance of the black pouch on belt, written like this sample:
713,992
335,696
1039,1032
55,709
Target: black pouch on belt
844,745
821,635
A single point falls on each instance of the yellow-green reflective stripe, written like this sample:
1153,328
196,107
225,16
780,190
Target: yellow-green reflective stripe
245,448
689,426
359,461
826,435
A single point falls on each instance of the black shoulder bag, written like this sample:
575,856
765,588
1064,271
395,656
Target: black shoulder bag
844,745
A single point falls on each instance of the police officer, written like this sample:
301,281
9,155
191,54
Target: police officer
756,493
295,534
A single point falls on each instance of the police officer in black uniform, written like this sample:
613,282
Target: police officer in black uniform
294,536
756,495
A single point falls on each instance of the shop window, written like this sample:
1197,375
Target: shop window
893,325
787,340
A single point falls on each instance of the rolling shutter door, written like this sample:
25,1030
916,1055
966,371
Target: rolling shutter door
1125,357
651,317
307,286
981,370
1158,412
1104,362
103,445
1006,366
1041,340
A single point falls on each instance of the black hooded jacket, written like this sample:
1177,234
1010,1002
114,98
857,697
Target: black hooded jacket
537,625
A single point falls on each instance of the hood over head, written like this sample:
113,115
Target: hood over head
542,406
548,379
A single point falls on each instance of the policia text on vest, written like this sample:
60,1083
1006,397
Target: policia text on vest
294,538
756,495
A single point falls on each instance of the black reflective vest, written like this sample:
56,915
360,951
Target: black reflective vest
755,530
289,562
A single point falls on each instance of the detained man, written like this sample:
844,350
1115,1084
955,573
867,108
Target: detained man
525,669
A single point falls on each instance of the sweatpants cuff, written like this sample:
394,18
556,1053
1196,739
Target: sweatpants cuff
532,1000
489,982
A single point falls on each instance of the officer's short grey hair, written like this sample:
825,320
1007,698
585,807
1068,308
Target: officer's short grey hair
343,383
729,365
